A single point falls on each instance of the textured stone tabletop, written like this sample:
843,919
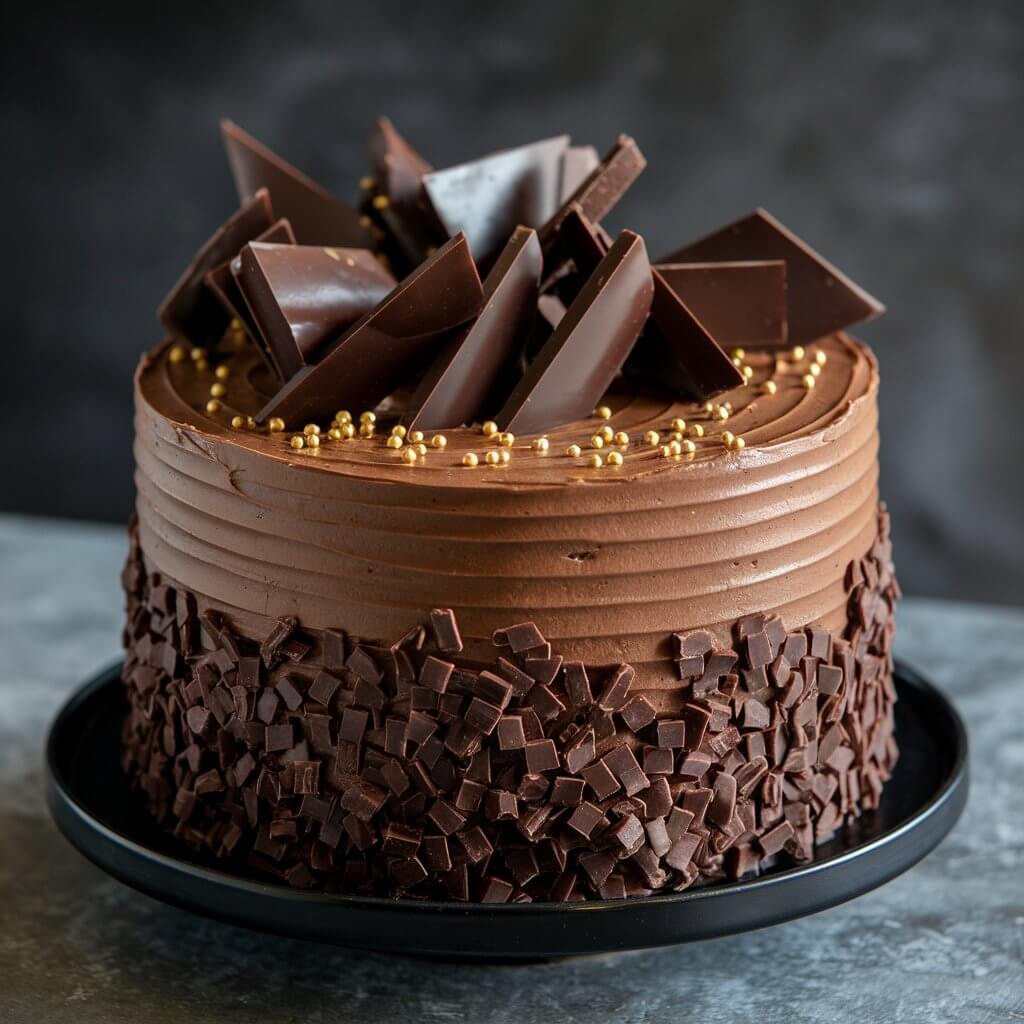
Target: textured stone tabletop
944,942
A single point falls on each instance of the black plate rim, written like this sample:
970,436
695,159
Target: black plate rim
74,820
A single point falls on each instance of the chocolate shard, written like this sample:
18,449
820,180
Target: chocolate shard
740,303
317,217
221,282
460,383
190,309
821,299
598,193
300,296
676,351
589,345
577,164
487,198
368,361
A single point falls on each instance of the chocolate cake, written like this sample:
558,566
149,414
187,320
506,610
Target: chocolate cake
478,556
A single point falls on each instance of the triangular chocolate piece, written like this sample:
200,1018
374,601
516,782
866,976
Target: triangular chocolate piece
488,197
741,303
460,381
221,282
374,355
821,300
588,347
577,164
190,310
317,217
304,295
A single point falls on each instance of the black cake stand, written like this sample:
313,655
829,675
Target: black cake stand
94,807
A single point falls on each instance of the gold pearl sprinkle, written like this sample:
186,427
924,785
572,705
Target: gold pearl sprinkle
809,381
201,365
298,442
421,448
335,434
394,441
728,437
310,428
365,221
398,430
597,441
737,362
676,435
492,458
506,440
470,459
607,433
213,405
381,202
798,352
409,456
615,458
821,357
366,430
542,444
238,422
688,446
574,451
415,436
739,353
666,451
348,431
815,370
217,390
709,406
177,354
489,429
652,437
439,441
275,424
367,417
769,387
343,416
621,438
722,413
222,372
250,423
603,412
595,461
198,353
697,430
313,441
748,372
679,423
367,183
739,443
505,456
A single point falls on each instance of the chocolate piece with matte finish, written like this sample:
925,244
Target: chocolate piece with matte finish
577,164
487,198
317,217
821,299
370,359
190,309
456,388
741,303
303,295
586,350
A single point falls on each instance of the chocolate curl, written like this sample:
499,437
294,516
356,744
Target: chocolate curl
317,217
190,309
457,387
487,198
821,299
588,347
303,295
374,355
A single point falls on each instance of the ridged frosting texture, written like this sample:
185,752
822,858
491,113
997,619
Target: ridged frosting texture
608,561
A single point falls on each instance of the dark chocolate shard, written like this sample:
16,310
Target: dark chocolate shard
676,352
577,164
190,309
221,282
317,217
369,360
590,344
462,380
739,303
487,198
821,299
301,296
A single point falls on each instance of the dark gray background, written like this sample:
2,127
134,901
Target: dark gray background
891,139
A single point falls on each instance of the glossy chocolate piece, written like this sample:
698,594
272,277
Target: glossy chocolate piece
821,299
459,383
487,198
317,217
587,349
740,303
301,296
190,310
386,345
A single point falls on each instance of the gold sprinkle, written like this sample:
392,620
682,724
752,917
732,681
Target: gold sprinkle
365,221
815,370
675,448
489,429
394,441
506,440
727,405
222,372
697,430
213,405
381,202
769,387
492,458
275,424
421,448
679,423
748,372
506,456
603,412
738,353
727,438
415,436
574,451
652,437
709,406
439,441
615,458
201,365
367,417
821,357
217,390
798,352
607,433
335,433
366,430
398,430
238,422
298,442
409,456
198,353
250,423
676,435
689,447
809,381
621,438
470,459
313,441
722,413
343,416
737,362
542,444
310,428
348,431
597,441
177,354
367,183
595,461
666,451
739,443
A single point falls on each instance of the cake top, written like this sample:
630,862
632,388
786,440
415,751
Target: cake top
488,293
